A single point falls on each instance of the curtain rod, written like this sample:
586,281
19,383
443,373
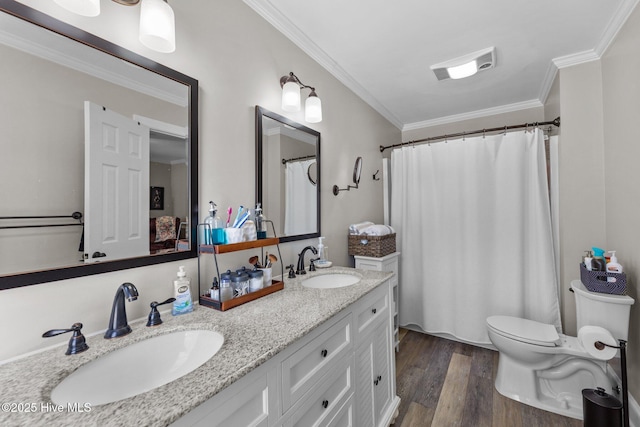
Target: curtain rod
285,161
555,122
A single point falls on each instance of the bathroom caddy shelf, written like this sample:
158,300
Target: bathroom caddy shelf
276,285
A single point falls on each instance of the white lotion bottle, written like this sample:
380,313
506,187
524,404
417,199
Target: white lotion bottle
182,288
613,266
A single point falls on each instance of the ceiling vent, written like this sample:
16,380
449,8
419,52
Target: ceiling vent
465,66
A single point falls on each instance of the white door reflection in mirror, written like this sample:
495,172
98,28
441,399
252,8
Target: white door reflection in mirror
116,185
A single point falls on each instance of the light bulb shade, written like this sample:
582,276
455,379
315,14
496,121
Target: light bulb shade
157,26
291,96
81,7
313,109
464,70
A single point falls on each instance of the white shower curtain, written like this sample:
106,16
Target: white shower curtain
300,199
474,228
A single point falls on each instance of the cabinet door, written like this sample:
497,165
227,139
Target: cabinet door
381,371
365,411
373,376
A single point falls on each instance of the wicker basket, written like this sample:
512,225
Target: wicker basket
598,281
372,246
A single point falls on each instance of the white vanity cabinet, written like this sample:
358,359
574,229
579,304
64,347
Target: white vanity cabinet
386,263
341,374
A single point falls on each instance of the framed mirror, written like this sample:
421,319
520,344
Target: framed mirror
66,92
288,175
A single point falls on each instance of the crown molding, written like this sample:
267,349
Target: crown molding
518,106
265,9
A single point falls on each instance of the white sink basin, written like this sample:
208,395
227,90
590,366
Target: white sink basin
138,368
331,280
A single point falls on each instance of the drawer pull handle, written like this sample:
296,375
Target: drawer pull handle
375,382
379,377
325,404
374,311
324,353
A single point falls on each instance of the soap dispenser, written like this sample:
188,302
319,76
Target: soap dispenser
214,230
261,223
613,266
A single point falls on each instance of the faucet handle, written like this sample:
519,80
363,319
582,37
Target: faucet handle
77,343
292,274
154,316
312,265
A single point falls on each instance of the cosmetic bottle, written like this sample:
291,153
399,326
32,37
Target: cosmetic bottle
587,260
182,288
261,224
598,263
214,230
613,266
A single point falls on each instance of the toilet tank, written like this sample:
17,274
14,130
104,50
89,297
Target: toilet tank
605,310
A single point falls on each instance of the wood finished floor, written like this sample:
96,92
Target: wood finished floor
445,383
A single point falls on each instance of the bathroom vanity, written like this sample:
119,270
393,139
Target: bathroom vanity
299,357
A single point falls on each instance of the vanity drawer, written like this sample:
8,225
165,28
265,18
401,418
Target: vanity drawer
373,307
304,368
327,400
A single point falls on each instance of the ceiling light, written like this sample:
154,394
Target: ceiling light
81,7
157,20
291,86
465,66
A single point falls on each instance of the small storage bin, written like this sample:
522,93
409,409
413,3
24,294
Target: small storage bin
597,281
372,246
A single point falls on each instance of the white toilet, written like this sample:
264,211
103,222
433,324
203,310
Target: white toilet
542,368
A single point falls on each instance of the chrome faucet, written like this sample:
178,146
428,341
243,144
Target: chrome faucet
300,267
118,325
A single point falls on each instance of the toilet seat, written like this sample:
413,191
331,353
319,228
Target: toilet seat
524,330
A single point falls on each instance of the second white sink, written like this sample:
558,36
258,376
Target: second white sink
331,280
138,368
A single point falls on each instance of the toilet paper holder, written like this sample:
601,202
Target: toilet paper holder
623,365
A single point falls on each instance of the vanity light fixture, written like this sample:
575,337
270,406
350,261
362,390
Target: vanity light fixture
291,86
465,66
157,20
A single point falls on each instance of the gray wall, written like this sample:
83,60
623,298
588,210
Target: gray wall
238,59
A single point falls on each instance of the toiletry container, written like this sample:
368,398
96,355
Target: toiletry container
214,229
182,288
214,293
261,224
226,290
598,263
587,260
613,266
240,284
255,280
323,254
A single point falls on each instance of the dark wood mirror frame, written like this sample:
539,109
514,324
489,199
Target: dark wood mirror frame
260,113
42,276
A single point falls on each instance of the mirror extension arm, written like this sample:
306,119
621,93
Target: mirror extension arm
357,171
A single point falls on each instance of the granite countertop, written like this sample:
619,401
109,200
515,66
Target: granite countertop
253,333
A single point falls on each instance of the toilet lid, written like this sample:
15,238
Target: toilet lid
524,330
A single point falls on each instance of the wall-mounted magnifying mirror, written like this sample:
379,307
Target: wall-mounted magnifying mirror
357,171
